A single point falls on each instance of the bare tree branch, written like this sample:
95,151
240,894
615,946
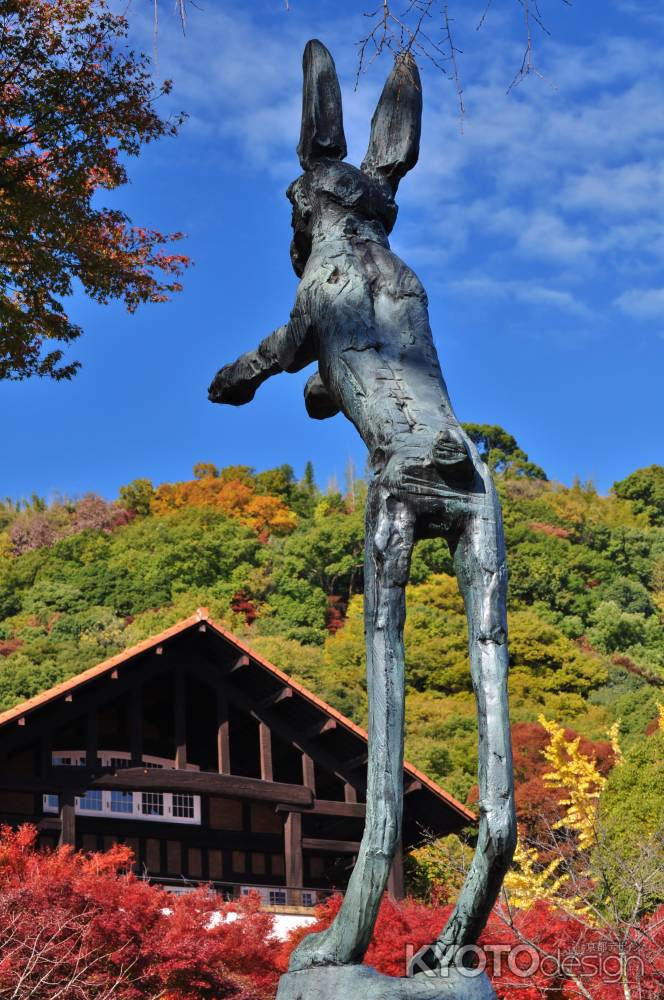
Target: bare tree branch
423,27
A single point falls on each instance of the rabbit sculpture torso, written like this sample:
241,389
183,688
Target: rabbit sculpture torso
365,314
362,315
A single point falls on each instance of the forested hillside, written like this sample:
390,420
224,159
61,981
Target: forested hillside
281,563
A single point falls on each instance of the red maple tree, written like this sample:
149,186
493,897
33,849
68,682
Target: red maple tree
75,926
539,954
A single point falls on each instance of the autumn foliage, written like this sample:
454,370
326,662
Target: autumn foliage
538,803
546,954
35,528
75,101
410,924
76,926
234,497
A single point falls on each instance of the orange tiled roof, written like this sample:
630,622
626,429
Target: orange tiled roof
19,711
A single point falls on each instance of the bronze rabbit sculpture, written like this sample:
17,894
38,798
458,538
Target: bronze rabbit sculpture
362,315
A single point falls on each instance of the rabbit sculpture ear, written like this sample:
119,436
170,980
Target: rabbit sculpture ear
322,133
394,145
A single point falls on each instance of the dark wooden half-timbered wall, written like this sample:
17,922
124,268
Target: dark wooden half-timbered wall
282,782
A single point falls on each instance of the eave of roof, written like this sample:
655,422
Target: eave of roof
202,615
92,673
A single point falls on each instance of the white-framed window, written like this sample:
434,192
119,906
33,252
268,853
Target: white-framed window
163,807
118,762
69,759
112,758
122,802
90,802
183,805
276,897
152,803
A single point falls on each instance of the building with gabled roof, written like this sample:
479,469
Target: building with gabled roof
211,763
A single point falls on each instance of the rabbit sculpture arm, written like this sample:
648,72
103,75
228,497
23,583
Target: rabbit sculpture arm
362,314
288,349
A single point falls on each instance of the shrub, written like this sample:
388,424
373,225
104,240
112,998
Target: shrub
76,926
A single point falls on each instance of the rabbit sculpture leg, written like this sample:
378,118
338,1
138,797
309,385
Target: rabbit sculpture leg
361,313
479,562
475,536
389,536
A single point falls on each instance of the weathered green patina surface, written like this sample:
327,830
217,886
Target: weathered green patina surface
362,315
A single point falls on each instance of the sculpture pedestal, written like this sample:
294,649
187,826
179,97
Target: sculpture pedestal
360,982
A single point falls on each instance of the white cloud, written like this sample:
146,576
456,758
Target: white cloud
624,190
240,78
567,183
646,303
648,11
522,291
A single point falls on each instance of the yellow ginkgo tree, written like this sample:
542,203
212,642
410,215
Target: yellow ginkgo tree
578,778
530,881
535,876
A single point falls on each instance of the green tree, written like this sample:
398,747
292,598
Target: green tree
308,480
137,496
343,680
435,637
501,452
645,488
278,482
629,595
430,555
237,473
205,470
631,827
615,629
328,552
549,659
51,597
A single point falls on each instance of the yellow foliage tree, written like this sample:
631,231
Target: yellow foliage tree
529,881
5,545
235,497
578,777
581,782
613,733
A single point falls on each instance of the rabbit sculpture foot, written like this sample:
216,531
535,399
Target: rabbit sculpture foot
361,315
322,948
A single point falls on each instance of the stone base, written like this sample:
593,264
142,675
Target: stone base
360,982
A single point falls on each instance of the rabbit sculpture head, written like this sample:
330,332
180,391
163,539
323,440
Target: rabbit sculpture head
365,195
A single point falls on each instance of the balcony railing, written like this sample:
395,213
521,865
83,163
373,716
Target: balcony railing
271,895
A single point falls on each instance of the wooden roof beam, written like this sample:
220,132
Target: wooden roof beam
330,846
358,761
325,725
329,807
283,694
280,728
89,698
238,664
143,779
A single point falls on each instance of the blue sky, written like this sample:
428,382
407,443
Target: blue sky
537,229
